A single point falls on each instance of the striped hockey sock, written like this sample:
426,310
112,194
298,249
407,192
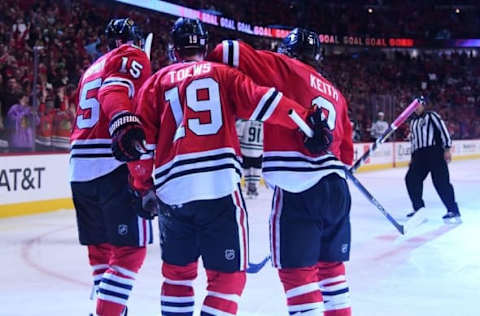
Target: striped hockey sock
177,289
303,295
333,284
117,282
224,291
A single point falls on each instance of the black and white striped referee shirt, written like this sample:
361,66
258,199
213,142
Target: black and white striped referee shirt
428,130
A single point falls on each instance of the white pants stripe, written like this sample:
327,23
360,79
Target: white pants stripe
241,216
275,227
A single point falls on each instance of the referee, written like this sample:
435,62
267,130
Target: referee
430,145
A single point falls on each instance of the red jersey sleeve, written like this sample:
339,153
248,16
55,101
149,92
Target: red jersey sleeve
346,145
253,63
125,72
147,109
257,103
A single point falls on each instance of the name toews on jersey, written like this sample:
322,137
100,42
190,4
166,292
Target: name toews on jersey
188,111
113,78
287,163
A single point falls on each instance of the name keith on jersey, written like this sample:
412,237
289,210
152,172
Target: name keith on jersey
194,70
323,87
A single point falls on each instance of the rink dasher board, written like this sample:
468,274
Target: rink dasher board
37,183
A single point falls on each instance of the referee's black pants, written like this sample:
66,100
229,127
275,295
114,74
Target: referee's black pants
425,160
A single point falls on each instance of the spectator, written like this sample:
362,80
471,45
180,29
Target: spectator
21,121
378,127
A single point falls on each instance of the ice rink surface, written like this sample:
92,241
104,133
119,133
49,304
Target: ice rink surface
435,270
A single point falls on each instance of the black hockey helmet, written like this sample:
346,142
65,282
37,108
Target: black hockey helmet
121,31
302,44
189,34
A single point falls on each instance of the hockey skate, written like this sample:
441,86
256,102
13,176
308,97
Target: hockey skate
452,218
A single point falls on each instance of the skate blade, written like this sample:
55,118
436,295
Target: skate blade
453,220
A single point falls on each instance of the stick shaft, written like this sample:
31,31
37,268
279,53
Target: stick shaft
375,202
301,123
392,128
307,130
148,45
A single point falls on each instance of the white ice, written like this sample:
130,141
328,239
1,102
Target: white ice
435,270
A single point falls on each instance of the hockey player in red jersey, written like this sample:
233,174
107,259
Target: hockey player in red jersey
309,224
188,111
106,208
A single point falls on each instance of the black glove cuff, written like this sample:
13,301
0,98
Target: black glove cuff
121,120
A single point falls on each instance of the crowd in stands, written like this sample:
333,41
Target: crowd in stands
68,36
397,18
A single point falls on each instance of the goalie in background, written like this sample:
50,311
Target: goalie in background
250,134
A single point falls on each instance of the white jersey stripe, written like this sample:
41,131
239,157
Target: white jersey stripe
225,52
236,54
272,107
261,103
121,82
92,141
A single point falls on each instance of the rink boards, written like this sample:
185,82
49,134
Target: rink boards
31,184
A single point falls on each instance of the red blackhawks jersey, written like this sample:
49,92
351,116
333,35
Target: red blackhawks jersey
287,163
106,88
188,111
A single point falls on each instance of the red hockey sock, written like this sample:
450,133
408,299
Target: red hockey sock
334,287
177,289
224,291
301,289
117,281
99,256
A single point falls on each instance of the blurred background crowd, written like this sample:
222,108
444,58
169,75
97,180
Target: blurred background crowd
68,36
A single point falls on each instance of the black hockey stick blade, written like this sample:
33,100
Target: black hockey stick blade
256,267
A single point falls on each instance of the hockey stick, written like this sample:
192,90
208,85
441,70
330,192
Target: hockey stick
309,132
392,128
148,45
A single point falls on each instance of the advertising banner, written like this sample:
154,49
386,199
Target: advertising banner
33,177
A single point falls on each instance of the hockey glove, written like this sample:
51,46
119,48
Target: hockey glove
128,137
322,136
146,203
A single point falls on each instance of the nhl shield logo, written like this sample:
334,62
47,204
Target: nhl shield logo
229,254
122,229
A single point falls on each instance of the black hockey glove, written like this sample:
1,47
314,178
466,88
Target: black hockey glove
128,137
147,203
322,136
